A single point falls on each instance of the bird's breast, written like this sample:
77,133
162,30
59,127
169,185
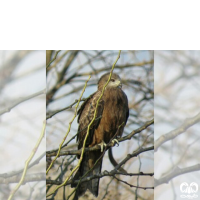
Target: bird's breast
114,113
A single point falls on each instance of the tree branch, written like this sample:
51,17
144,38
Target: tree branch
172,134
97,147
125,182
20,100
176,172
113,161
7,175
51,114
28,178
103,174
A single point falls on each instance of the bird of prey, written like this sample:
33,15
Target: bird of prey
111,118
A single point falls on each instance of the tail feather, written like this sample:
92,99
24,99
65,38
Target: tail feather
87,163
84,167
94,183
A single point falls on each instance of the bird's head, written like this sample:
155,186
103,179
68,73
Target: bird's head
115,81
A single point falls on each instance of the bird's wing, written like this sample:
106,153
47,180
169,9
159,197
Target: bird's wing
86,114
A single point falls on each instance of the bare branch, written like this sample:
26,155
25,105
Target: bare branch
21,100
7,175
97,147
103,174
172,134
176,172
28,178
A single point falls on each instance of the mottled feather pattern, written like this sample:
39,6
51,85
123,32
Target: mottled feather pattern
86,114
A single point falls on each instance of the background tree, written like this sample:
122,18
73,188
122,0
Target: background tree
67,72
22,113
177,117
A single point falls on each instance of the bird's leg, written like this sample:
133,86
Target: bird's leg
102,144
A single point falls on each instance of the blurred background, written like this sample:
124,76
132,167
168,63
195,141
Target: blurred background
177,122
66,76
22,112
23,107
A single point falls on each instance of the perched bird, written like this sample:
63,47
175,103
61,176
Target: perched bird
111,118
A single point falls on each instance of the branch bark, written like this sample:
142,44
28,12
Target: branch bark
172,134
97,147
176,172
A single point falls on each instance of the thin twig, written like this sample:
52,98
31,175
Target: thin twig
53,59
172,134
135,186
84,143
176,172
70,123
97,147
28,161
7,175
27,178
20,100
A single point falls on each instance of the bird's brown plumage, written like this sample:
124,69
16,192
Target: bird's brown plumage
112,115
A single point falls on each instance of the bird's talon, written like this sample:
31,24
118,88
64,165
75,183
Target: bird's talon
115,141
102,144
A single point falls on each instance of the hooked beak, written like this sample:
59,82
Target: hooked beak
120,85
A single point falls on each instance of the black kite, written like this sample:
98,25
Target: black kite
112,115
